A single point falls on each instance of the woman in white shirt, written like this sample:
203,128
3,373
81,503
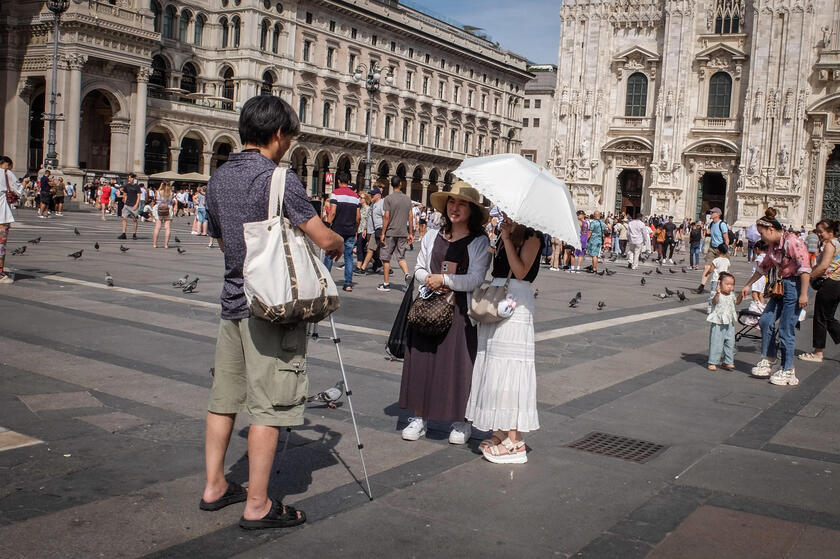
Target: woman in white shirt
8,182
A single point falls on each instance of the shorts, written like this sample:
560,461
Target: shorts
373,242
201,215
260,367
44,196
593,248
128,212
710,256
58,199
394,246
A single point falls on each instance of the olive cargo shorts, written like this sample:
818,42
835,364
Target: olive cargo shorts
261,367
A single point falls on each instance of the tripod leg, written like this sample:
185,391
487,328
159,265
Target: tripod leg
336,340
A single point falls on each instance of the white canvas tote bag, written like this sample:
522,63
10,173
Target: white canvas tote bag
284,281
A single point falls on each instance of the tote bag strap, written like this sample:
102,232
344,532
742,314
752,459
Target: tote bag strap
278,190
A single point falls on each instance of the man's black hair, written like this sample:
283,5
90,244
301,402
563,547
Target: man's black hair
132,175
343,177
6,159
262,116
396,182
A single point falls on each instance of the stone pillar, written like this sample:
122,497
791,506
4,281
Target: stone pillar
206,158
425,198
73,113
120,128
174,153
310,171
139,122
408,186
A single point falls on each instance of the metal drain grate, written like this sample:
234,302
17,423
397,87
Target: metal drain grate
625,448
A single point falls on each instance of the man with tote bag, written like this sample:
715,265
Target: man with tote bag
259,365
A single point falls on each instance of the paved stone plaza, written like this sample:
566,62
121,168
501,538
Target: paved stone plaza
103,394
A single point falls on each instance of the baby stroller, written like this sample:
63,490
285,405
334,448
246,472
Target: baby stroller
748,319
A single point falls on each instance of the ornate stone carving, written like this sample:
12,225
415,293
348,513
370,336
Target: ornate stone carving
758,105
27,88
143,74
76,61
752,159
564,102
787,110
783,159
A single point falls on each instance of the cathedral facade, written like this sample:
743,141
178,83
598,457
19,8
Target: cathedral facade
677,106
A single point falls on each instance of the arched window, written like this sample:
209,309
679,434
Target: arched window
156,12
227,89
303,107
183,25
159,70
264,34
267,84
728,15
189,74
236,24
275,38
636,99
223,23
169,17
720,95
327,109
198,36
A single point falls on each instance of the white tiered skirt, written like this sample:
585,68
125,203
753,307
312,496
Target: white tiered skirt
503,396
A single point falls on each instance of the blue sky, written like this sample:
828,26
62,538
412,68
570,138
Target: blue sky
528,27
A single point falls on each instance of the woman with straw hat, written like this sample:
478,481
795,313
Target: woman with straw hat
437,370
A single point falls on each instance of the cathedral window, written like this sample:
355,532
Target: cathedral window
198,35
156,12
303,107
159,71
223,23
720,95
227,89
728,15
236,24
636,98
169,17
275,38
189,82
264,34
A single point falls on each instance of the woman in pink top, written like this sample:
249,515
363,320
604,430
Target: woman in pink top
788,255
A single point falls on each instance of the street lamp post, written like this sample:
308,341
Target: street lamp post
372,77
57,7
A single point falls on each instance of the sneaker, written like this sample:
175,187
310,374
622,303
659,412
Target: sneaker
122,236
210,244
193,232
554,269
42,217
629,266
134,236
359,272
784,377
407,278
340,265
384,287
460,433
59,214
763,368
416,428
6,278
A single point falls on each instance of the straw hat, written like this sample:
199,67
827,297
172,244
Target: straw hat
460,191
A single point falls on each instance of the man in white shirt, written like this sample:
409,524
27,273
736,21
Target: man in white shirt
636,233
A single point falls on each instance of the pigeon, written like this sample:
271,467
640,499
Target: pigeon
76,231
96,245
123,248
661,295
180,250
34,241
573,303
177,240
329,396
536,291
76,255
643,281
669,292
600,273
610,272
190,287
20,250
681,295
672,270
658,271
601,305
579,296
649,272
681,260
684,270
109,281
181,282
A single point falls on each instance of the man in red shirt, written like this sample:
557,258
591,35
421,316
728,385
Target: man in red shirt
344,215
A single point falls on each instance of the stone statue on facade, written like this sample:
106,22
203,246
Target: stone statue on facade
752,156
784,158
584,148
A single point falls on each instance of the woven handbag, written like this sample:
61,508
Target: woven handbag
283,280
432,316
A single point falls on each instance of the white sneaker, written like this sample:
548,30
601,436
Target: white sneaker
416,428
763,368
5,278
784,377
554,269
460,433
193,232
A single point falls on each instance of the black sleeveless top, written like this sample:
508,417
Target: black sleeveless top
501,266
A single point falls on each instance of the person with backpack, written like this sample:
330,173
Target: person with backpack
718,235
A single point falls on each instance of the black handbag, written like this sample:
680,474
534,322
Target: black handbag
432,315
398,338
816,283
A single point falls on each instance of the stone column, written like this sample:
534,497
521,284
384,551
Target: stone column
310,170
139,122
408,182
206,158
73,112
120,128
174,153
425,198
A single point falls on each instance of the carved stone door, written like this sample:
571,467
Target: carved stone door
831,194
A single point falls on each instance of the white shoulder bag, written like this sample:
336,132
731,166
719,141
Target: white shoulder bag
283,280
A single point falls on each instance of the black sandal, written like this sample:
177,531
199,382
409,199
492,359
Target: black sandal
279,516
235,494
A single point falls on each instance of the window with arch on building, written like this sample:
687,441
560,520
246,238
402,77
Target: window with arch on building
223,23
228,89
169,17
275,39
303,108
636,98
728,16
198,32
156,13
405,130
422,136
267,85
438,130
264,26
327,111
159,71
236,23
720,95
307,47
184,25
387,127
189,78
348,119
452,139
330,56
